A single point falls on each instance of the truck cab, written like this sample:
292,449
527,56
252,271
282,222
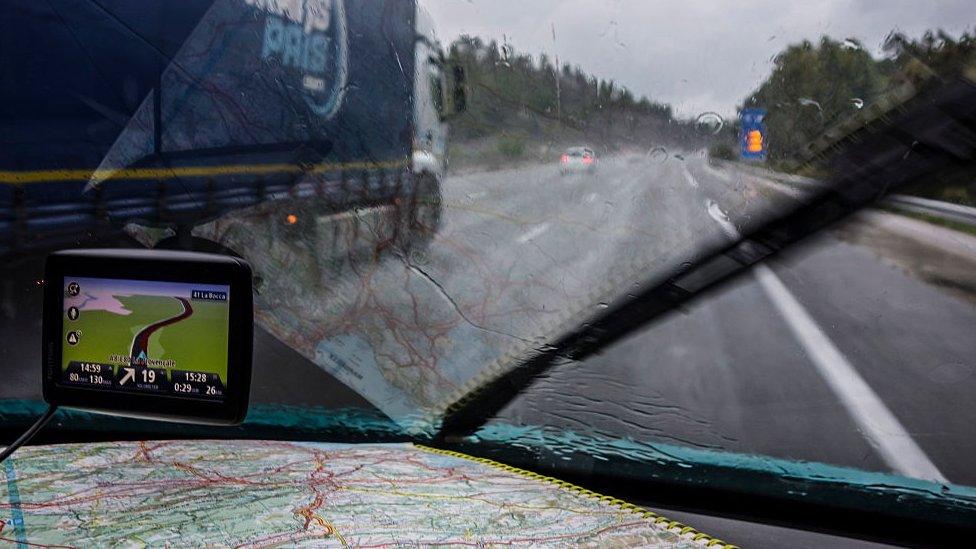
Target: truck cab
438,94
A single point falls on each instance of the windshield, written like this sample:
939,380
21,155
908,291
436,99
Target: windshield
429,264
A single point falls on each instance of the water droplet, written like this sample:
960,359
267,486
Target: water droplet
851,44
807,102
602,305
709,123
658,155
418,257
857,102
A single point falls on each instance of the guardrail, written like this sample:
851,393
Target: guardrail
938,208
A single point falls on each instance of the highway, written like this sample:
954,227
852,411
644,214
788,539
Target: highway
856,349
888,298
140,343
730,372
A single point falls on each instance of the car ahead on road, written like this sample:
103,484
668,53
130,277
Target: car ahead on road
577,160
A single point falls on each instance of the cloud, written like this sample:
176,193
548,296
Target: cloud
698,55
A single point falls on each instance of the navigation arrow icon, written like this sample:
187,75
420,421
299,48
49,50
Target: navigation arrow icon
130,374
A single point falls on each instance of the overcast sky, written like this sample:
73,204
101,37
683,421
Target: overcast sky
697,55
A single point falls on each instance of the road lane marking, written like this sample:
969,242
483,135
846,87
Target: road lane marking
876,422
688,177
887,435
532,233
357,213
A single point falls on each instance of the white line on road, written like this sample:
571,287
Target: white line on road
888,436
688,177
532,233
877,423
360,213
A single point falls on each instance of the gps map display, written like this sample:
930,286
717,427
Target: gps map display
147,337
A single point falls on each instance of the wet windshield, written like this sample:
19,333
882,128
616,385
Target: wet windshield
485,221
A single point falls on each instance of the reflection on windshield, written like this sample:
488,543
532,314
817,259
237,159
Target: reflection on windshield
431,200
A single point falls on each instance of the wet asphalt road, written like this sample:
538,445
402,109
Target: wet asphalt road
524,254
729,373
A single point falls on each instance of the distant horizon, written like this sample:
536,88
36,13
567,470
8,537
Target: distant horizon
99,294
692,67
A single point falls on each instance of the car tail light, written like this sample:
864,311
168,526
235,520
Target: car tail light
565,158
587,159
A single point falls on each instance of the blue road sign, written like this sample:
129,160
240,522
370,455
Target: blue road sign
753,139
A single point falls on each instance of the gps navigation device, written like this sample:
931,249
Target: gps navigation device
149,334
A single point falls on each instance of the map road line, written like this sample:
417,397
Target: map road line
140,343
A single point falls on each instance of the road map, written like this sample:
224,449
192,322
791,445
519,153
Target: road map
267,493
165,326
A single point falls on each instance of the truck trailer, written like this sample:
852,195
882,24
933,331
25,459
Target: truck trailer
150,116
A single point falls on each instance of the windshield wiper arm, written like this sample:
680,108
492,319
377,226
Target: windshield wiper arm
924,134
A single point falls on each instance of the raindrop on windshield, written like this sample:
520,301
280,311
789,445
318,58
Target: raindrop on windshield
419,257
857,102
807,102
709,123
658,155
851,44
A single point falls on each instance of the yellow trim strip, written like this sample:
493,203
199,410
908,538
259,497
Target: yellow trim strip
672,525
46,176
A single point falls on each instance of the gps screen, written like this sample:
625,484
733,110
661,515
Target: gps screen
149,337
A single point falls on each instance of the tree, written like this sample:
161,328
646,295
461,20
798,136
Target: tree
813,87
512,98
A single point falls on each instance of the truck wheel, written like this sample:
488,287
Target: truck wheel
424,212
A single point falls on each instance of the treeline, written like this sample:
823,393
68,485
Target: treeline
815,86
517,102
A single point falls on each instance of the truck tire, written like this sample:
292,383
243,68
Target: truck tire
424,212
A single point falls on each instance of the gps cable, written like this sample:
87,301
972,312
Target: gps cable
29,433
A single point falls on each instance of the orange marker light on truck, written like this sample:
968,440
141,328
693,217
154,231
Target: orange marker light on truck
754,141
291,219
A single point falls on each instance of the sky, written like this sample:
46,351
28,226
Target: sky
99,294
697,55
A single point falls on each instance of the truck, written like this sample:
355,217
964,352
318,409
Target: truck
169,115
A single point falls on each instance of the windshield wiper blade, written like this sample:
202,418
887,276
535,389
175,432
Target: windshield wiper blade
926,133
